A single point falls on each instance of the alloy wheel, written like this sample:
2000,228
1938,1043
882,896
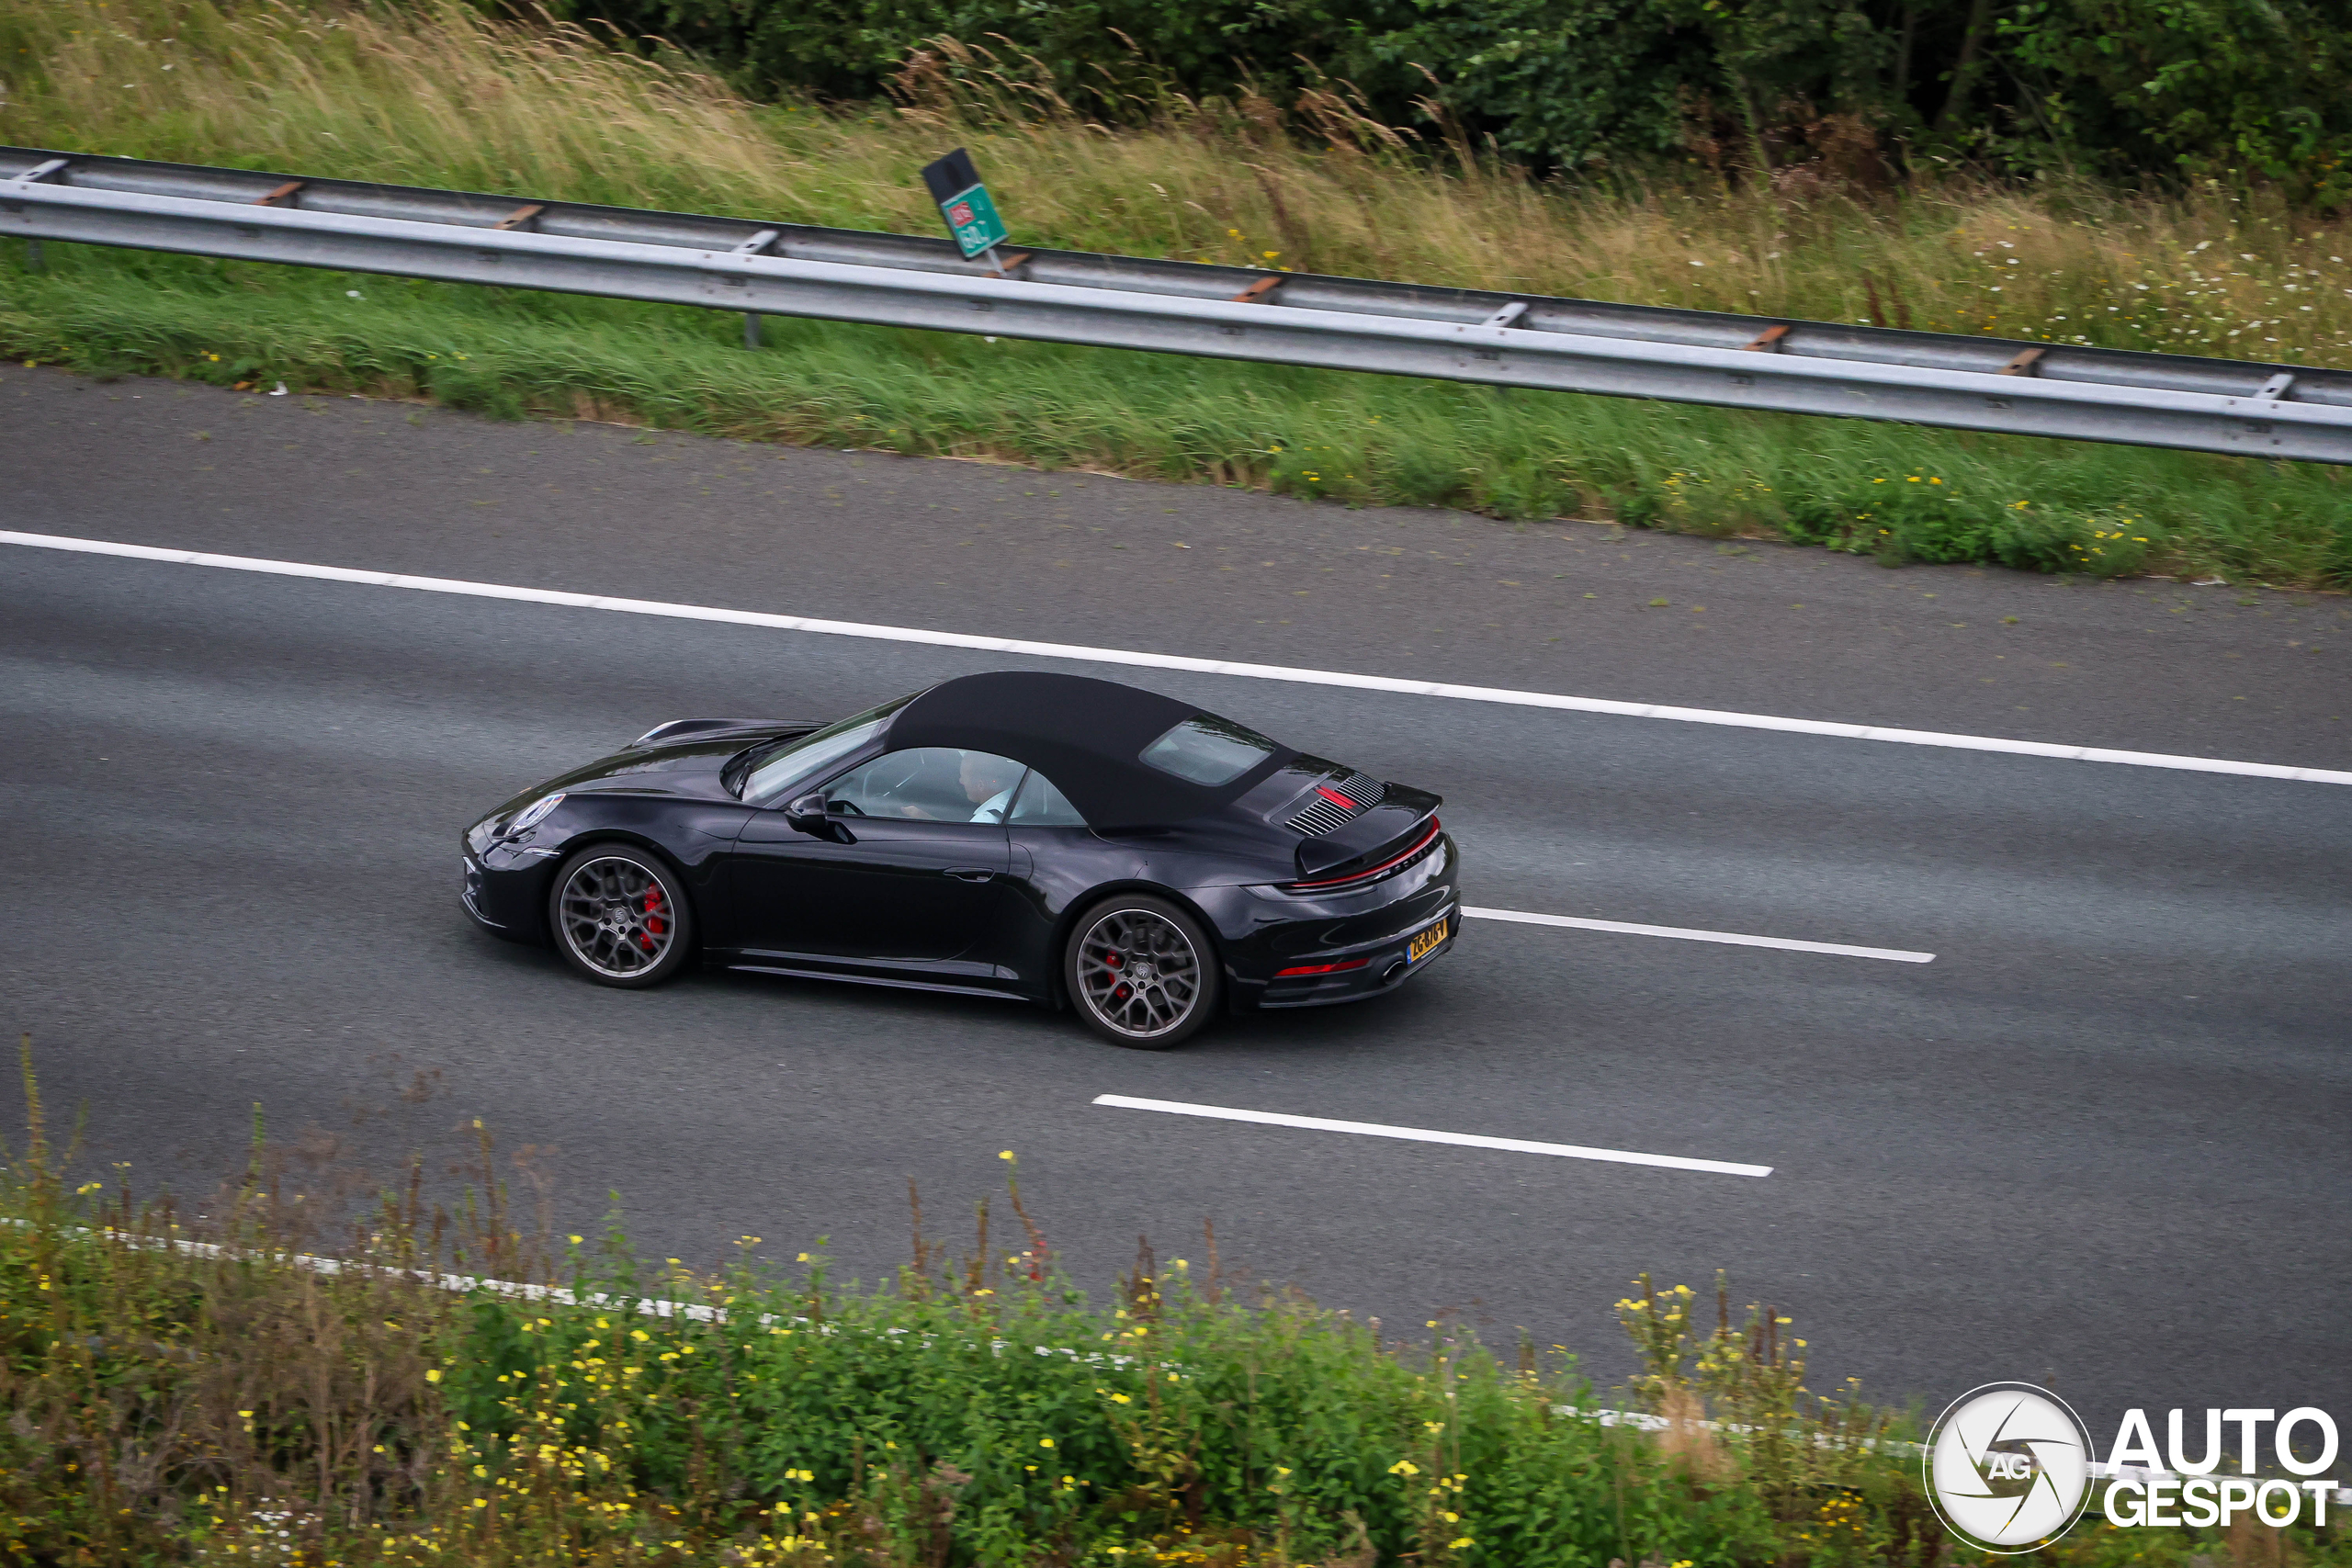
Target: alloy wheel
616,916
1138,972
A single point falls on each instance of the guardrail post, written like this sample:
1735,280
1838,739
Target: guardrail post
33,262
757,245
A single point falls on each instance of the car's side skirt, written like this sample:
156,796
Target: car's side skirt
800,973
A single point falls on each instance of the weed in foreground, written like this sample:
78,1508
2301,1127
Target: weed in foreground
197,1388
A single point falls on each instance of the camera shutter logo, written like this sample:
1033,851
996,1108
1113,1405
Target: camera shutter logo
2008,1467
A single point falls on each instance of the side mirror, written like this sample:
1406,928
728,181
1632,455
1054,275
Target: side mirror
807,814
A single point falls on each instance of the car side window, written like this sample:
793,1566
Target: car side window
1040,805
928,784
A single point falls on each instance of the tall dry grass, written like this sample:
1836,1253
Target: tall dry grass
438,94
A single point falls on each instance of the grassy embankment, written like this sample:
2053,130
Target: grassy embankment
445,98
161,1407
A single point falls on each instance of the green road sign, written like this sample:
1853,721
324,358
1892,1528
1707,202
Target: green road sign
972,218
963,201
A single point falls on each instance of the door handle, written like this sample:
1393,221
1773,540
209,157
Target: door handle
970,873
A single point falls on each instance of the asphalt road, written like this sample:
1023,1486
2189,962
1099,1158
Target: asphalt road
2098,1141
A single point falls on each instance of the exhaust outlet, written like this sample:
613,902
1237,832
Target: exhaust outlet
1388,975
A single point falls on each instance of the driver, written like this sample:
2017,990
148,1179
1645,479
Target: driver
989,782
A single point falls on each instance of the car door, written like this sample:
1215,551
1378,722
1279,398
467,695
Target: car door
907,882
1055,859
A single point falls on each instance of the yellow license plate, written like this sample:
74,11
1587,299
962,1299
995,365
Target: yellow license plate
1427,942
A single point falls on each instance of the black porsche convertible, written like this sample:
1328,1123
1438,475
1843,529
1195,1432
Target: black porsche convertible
1038,837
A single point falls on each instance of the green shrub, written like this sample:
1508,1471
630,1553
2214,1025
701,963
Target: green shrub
2241,90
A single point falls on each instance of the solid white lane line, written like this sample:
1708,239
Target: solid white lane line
1893,954
1178,661
1424,1135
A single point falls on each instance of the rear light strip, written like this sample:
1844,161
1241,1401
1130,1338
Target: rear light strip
1385,866
1320,968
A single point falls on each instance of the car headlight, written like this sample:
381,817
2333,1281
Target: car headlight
533,813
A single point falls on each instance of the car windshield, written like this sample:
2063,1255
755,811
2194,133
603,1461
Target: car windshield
1208,750
803,759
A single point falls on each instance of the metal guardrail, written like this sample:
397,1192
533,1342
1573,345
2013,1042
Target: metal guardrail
1572,345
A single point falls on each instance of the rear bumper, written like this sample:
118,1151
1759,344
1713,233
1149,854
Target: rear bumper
1378,968
1360,940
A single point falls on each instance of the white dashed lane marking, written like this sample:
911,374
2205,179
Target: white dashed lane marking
1736,939
1426,1136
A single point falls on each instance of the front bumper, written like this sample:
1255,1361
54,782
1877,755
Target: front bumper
472,895
505,890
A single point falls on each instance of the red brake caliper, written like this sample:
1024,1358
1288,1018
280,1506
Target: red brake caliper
653,920
1114,960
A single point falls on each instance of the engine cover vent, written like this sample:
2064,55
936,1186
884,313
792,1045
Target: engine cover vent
1335,804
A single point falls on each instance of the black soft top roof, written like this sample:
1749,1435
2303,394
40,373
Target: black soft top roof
1085,734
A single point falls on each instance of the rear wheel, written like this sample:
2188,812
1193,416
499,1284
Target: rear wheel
1141,972
619,916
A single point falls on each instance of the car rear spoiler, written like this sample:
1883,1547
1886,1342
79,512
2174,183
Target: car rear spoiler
1395,829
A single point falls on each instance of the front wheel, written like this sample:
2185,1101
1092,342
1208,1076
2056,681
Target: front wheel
619,916
1142,972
